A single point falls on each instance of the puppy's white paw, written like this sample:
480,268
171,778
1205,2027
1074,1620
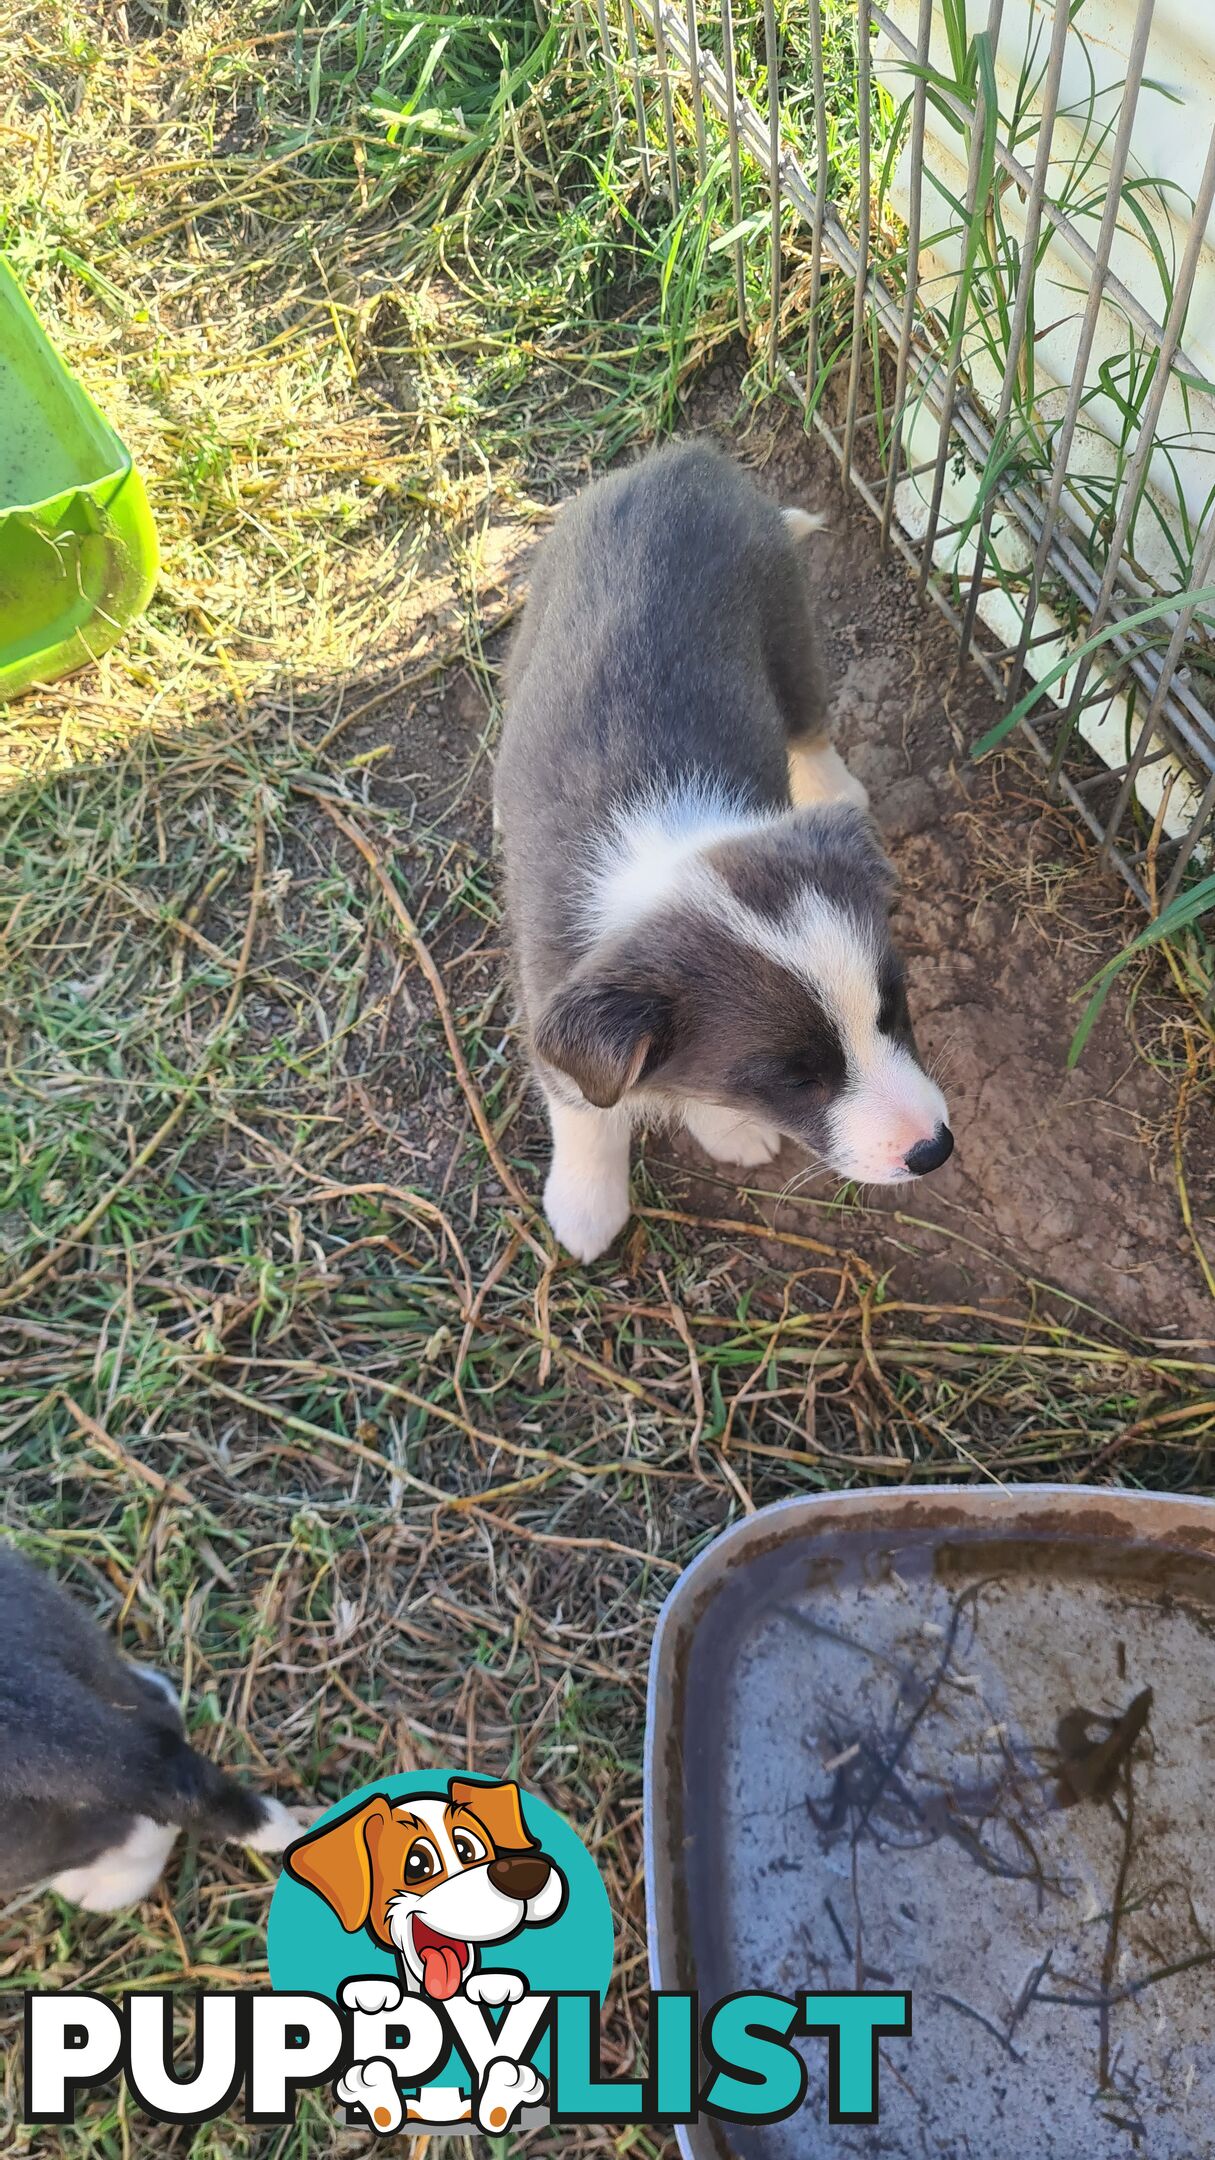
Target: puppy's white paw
125,1874
372,2087
852,790
818,777
506,2087
495,1988
374,1994
280,1827
728,1136
586,1215
751,1144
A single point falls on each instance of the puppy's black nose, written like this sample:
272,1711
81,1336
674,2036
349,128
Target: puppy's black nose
930,1154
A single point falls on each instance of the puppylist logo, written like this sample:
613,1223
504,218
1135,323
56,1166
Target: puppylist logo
440,1948
445,1921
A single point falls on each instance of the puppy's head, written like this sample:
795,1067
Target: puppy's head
433,1876
760,973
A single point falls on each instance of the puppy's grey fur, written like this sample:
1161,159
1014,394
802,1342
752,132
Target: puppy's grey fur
685,939
96,1773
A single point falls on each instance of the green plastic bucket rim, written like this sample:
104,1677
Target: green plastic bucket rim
123,464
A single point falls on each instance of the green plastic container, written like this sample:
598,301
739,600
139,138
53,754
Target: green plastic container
78,555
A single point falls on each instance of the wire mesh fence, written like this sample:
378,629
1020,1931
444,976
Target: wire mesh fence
979,258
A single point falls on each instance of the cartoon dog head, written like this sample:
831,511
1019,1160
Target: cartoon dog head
433,1877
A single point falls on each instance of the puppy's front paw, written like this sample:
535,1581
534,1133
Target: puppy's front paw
507,2087
374,1994
372,2087
749,1145
586,1215
730,1137
495,1988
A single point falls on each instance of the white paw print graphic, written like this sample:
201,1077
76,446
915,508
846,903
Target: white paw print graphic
372,2087
494,1989
507,2087
373,1995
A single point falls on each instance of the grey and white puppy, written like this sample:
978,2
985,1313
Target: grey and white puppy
697,899
96,1774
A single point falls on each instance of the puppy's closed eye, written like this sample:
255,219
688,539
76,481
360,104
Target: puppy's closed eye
806,1073
800,1072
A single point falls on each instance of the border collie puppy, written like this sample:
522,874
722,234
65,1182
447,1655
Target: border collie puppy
697,900
96,1774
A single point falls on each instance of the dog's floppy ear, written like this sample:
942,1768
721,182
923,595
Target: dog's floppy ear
605,1036
497,1809
336,1861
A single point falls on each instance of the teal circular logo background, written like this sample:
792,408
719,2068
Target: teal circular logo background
311,1952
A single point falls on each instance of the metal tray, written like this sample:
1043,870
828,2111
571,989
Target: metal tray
903,1740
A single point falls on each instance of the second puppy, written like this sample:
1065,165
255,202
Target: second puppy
697,899
97,1776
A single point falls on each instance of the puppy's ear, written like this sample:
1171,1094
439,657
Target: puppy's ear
336,1861
497,1809
605,1037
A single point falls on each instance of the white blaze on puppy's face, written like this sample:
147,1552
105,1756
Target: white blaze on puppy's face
890,1111
888,1107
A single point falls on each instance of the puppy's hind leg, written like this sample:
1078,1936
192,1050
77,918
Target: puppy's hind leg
125,1874
818,774
586,1197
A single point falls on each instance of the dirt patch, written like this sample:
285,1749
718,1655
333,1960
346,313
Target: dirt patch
1060,1179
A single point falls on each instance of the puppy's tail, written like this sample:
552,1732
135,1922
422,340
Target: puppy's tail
801,523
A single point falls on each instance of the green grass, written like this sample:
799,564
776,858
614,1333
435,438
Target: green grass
294,1391
335,314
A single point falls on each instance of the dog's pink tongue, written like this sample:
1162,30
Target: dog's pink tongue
440,1971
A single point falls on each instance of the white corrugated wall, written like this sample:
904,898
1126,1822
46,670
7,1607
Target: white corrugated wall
1172,130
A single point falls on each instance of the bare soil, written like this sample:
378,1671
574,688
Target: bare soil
1004,915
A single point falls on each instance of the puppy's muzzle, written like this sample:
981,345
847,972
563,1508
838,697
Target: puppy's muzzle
519,1875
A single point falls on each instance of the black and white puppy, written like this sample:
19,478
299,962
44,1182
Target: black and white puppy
697,900
96,1774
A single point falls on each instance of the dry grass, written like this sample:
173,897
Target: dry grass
295,1390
